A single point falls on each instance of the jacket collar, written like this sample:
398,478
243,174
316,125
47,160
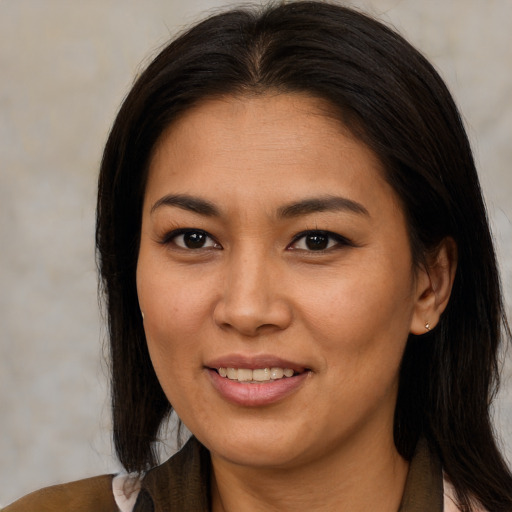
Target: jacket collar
182,484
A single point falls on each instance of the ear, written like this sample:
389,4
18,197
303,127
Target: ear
434,286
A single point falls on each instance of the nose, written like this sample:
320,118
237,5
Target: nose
252,301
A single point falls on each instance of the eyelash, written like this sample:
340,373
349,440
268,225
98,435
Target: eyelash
338,239
170,238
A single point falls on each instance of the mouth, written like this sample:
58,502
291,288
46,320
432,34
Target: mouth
256,375
252,383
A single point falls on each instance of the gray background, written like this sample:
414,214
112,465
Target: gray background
64,68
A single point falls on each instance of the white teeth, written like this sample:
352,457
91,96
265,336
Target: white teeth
276,373
232,373
244,375
257,375
261,375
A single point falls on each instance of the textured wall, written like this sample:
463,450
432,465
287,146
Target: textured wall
64,69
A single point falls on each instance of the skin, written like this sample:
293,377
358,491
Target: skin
344,313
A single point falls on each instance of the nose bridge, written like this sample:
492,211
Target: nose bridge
248,270
250,298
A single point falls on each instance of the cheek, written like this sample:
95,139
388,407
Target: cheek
171,324
176,310
172,301
362,311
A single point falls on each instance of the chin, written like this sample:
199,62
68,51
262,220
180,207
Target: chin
257,456
257,446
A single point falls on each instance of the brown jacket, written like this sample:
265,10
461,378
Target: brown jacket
89,495
182,485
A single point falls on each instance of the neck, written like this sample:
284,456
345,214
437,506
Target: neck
355,479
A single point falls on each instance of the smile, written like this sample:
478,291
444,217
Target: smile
255,387
256,375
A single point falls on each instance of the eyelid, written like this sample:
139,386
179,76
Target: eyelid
339,239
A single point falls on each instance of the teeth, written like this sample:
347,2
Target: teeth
257,375
276,373
261,375
244,375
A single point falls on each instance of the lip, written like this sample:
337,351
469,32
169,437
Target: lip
254,362
251,394
256,395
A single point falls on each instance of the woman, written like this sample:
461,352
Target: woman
296,258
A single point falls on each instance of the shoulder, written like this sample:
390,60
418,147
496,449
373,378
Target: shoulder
89,495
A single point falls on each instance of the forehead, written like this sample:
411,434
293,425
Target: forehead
271,119
272,144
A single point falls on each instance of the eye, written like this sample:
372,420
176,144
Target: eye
318,241
191,239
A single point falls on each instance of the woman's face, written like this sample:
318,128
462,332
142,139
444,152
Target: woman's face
271,245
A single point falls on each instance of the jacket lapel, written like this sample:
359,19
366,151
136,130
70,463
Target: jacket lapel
182,484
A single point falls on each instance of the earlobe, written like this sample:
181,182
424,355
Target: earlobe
434,286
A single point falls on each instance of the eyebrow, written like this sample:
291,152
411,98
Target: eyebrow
322,204
304,207
186,202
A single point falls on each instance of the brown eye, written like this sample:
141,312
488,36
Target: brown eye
192,239
316,242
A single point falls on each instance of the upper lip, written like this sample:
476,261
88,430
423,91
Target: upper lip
254,362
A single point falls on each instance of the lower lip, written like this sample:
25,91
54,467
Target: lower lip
254,395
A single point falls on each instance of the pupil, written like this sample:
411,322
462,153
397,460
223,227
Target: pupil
317,242
194,240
